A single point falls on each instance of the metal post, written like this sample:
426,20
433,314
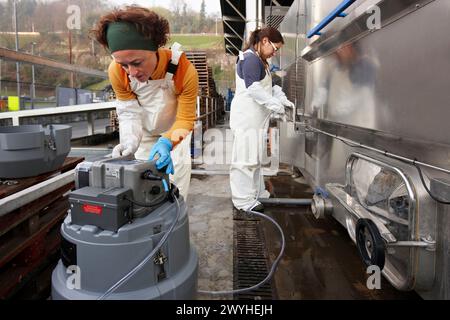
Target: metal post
198,107
17,46
70,59
33,88
253,8
215,111
213,115
91,123
207,112
93,43
258,14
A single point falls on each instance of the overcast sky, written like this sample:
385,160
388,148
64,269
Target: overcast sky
212,6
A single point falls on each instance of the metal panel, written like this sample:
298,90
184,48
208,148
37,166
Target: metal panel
274,15
378,84
84,96
293,29
66,96
386,88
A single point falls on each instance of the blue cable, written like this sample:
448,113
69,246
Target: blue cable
166,187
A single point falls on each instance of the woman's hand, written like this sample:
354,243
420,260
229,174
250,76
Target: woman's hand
162,147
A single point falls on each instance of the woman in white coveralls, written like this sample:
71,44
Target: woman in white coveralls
254,101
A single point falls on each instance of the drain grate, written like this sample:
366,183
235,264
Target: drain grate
250,260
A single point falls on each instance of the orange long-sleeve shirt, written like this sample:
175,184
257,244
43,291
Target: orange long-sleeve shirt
186,90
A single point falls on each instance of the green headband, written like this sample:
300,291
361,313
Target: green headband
125,36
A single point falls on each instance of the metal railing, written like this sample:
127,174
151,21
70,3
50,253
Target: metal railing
208,109
90,109
337,12
211,107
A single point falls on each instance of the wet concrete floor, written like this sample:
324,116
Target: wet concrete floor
320,260
211,232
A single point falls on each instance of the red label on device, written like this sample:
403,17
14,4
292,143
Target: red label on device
87,208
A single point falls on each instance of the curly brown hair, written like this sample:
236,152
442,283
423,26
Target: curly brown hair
147,22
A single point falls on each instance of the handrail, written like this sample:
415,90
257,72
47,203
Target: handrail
80,108
88,109
338,12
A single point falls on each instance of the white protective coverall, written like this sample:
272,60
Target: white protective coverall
142,121
249,120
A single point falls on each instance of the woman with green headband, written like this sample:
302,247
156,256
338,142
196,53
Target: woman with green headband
156,90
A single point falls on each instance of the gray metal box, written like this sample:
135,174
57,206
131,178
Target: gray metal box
123,173
104,208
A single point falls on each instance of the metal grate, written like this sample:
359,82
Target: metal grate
250,260
274,21
275,15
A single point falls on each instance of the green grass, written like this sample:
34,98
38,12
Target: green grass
8,40
98,86
196,42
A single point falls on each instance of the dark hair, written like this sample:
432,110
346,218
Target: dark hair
147,22
256,36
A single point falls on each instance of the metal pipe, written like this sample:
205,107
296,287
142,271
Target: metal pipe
251,8
198,106
1,61
260,15
17,47
337,12
33,87
385,153
417,244
201,172
16,115
8,54
286,201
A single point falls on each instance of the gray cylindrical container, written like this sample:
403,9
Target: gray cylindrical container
100,258
30,150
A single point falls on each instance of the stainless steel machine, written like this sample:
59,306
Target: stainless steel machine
126,236
370,82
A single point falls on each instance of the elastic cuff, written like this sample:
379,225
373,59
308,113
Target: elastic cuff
166,141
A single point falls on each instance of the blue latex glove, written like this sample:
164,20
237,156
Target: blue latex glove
162,147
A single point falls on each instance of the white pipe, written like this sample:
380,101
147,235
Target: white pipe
201,172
